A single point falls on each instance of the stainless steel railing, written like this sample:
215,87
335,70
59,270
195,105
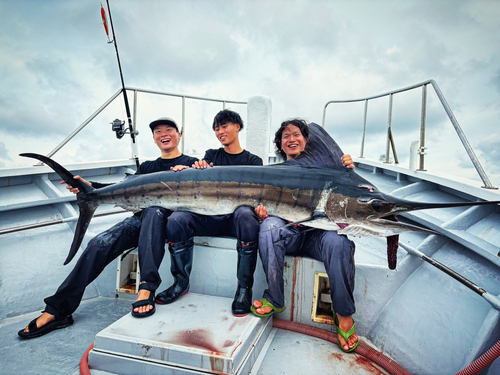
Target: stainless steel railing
136,91
421,151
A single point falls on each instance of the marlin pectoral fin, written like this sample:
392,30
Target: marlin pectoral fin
382,228
318,221
292,224
362,230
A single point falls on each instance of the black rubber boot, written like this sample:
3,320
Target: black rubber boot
247,260
181,257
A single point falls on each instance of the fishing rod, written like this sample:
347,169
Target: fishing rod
116,123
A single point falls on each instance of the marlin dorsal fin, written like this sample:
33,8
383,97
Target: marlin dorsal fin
321,150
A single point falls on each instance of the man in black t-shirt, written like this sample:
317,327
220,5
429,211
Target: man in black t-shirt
220,156
146,229
243,223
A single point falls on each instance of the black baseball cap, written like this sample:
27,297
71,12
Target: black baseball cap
163,121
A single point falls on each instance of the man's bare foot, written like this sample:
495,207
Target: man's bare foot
143,295
257,303
42,320
345,324
264,310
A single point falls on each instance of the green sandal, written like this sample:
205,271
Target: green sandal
265,302
344,334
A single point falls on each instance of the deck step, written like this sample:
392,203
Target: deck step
197,333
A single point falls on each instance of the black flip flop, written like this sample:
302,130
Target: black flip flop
144,302
34,331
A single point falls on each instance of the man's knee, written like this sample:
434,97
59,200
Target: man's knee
178,226
179,218
244,212
270,223
246,224
154,213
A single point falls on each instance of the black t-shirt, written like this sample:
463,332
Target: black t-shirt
157,165
221,157
160,164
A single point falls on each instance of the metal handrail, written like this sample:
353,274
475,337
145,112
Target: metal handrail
184,97
448,111
136,90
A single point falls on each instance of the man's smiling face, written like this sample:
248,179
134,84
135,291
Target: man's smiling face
292,141
227,133
166,137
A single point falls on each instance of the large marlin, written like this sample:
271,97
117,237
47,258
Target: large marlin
313,189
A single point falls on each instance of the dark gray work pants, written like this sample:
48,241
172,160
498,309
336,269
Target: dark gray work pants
242,224
146,231
335,251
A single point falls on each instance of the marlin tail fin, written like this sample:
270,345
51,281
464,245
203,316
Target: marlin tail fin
87,210
87,207
62,172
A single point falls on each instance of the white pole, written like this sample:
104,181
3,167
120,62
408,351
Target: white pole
259,111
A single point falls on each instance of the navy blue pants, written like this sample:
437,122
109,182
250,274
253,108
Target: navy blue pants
146,231
335,251
242,224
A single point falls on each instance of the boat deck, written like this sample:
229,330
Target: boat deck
60,352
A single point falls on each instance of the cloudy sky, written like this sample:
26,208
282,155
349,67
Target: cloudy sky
56,69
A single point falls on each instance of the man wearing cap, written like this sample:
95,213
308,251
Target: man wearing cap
146,230
243,223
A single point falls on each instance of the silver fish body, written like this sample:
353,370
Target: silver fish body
312,189
220,190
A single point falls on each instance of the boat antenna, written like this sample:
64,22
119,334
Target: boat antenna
133,133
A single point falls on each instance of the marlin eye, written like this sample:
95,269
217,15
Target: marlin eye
377,206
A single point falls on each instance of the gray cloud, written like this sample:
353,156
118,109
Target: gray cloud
35,121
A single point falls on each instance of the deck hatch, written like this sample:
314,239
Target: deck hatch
322,301
197,333
128,272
